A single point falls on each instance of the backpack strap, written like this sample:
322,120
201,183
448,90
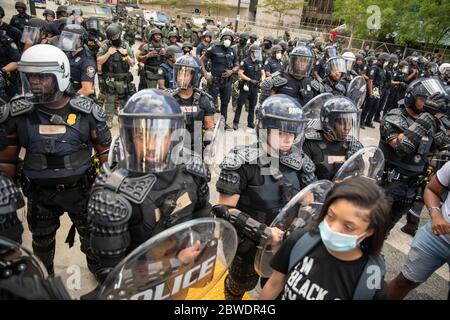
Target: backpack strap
302,247
363,291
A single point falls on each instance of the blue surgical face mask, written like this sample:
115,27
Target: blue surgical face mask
336,241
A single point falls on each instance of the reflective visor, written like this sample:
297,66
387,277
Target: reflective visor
344,126
300,66
68,41
149,142
183,76
30,35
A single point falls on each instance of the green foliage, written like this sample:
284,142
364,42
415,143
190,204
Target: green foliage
282,8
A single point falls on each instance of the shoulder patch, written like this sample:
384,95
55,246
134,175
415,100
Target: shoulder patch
231,161
248,153
313,135
4,112
308,165
19,105
90,71
82,104
197,167
292,160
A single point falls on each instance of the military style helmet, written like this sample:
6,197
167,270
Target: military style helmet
383,56
174,51
152,32
207,33
61,9
393,59
330,51
48,12
268,38
227,33
92,24
20,4
187,44
114,29
172,34
275,49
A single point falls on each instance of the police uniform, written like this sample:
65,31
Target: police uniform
151,65
386,91
196,108
283,83
82,69
320,67
92,42
10,225
57,166
9,53
143,205
378,76
261,197
328,156
221,59
11,32
273,65
336,88
404,163
20,20
117,77
165,72
252,69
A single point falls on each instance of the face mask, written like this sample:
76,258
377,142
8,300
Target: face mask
267,45
336,241
278,56
116,43
227,43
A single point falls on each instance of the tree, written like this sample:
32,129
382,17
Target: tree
215,7
282,8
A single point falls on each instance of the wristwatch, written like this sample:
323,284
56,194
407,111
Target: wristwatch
431,209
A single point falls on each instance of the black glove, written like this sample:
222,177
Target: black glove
438,102
254,82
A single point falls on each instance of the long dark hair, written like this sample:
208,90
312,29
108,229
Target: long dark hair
366,194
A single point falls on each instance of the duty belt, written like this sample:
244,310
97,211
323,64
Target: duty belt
117,76
221,80
394,175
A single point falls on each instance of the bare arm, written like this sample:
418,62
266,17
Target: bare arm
432,199
273,286
229,200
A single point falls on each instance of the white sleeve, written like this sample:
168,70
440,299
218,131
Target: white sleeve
443,175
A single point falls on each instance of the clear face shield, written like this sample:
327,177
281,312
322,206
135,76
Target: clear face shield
183,76
349,64
69,41
282,135
256,54
337,67
433,86
343,126
31,35
41,87
300,66
149,142
404,69
331,52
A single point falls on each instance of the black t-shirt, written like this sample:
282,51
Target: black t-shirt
319,275
252,69
377,75
82,68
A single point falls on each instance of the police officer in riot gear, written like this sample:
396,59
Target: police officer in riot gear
348,76
333,83
251,73
82,65
197,105
224,63
165,71
95,36
153,188
9,56
114,59
21,18
319,68
406,137
389,69
377,77
152,55
58,131
259,179
331,146
296,81
32,33
275,62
